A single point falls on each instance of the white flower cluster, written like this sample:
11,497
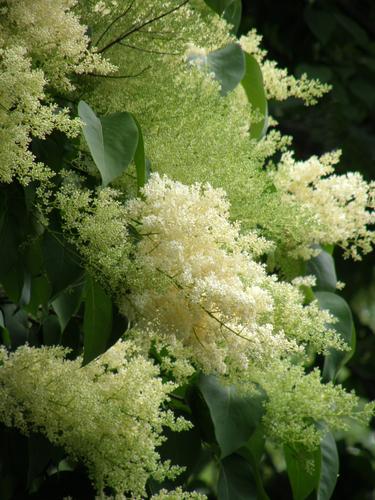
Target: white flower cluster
42,43
343,204
175,148
196,281
23,115
296,400
54,37
278,83
107,414
177,494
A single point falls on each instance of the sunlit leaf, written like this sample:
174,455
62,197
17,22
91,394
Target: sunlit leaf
112,140
227,65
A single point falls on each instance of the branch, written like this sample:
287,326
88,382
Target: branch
210,314
120,76
137,28
150,51
114,22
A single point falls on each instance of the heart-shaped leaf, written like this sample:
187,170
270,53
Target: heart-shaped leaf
112,140
226,64
235,417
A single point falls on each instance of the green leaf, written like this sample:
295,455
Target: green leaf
218,6
235,417
40,294
328,247
323,268
236,480
200,414
230,10
40,287
67,304
321,23
97,321
112,140
252,82
13,219
13,464
60,263
344,326
232,14
183,449
227,65
323,476
302,479
140,159
119,326
51,330
329,467
26,290
253,452
16,324
354,30
52,151
40,454
4,333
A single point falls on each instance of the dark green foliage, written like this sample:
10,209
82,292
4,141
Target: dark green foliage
235,479
334,41
47,298
234,417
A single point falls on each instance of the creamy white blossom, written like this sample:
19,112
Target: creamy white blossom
107,414
342,204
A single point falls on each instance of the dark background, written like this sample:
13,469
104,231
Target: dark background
333,40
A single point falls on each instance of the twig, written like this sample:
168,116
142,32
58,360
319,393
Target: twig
137,28
114,22
120,76
150,51
221,323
